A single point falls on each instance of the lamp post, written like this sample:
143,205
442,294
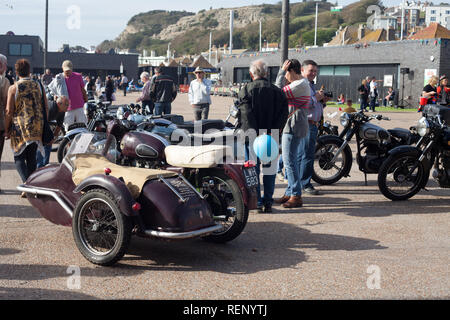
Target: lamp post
284,30
46,35
315,28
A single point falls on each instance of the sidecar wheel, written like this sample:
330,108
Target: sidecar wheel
101,232
227,205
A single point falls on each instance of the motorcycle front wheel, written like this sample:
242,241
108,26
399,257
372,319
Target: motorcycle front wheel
395,179
226,202
325,171
63,148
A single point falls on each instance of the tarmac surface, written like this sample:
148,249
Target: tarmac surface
348,243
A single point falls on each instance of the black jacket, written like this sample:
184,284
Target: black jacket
263,106
163,89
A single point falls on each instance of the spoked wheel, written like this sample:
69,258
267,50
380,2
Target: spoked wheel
326,171
401,177
225,199
63,148
101,232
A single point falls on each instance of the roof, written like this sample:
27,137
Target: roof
350,34
201,62
374,36
434,30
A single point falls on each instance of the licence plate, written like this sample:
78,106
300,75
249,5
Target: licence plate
251,178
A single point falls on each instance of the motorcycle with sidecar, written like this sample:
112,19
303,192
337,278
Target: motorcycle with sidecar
105,204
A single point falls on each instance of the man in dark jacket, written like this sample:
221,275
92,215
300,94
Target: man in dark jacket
163,92
263,108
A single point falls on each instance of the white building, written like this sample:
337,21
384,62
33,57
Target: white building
385,22
153,60
439,14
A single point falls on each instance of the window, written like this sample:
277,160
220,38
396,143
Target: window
14,49
342,71
334,70
20,49
433,19
447,11
326,70
26,50
433,11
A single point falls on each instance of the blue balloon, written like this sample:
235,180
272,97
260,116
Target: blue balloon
265,148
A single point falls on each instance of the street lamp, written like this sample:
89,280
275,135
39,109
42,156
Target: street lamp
46,35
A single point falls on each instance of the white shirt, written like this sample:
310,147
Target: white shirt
373,88
199,92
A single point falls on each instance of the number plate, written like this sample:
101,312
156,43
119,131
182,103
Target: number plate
251,178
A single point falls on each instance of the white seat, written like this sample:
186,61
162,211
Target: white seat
197,157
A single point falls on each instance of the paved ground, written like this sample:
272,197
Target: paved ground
349,243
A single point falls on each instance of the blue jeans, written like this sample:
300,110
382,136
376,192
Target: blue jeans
42,161
26,161
268,180
307,164
162,107
293,147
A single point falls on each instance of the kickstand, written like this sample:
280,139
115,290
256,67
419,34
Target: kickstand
365,179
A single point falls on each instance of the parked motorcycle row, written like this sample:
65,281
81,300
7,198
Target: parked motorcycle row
131,173
402,159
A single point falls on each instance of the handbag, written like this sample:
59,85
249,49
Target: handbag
47,133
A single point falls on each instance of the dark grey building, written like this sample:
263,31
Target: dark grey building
32,48
342,68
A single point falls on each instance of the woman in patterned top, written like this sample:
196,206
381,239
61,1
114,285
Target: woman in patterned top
298,94
24,120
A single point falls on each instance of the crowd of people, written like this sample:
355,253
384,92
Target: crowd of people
437,90
292,107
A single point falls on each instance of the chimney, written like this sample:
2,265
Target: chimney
361,31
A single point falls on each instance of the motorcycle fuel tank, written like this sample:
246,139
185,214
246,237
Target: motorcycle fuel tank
143,145
370,131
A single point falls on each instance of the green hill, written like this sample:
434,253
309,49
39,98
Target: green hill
188,32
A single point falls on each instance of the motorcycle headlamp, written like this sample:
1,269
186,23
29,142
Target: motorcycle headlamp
423,127
345,119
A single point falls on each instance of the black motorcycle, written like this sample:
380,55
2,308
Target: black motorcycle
407,169
97,115
333,157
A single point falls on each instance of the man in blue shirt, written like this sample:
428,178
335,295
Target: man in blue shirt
315,112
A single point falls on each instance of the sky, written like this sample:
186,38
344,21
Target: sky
89,22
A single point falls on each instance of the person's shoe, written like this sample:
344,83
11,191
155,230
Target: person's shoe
293,202
282,200
311,190
267,208
23,195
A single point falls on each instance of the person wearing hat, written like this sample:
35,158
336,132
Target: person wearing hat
443,91
199,94
77,95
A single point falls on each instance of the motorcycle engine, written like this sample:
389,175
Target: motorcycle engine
371,161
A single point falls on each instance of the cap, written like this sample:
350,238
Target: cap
67,65
198,70
443,77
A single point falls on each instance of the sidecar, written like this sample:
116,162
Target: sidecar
105,203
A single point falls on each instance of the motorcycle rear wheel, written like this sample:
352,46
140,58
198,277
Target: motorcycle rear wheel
226,203
101,232
393,180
